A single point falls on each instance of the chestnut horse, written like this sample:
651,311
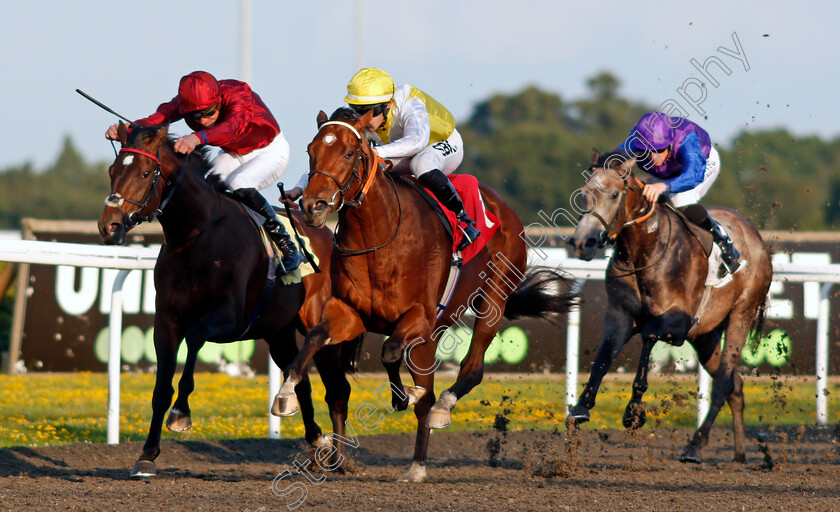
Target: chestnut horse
656,281
390,266
210,278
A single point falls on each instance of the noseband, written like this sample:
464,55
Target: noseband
116,200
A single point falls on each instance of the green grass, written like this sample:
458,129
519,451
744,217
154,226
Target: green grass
41,409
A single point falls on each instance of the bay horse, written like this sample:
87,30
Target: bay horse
656,283
210,277
390,265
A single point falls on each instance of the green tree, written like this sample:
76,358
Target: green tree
68,189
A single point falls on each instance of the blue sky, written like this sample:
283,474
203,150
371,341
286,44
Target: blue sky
130,55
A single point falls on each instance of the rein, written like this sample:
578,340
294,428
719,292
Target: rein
370,164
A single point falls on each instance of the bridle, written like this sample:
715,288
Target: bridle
116,200
361,159
369,163
611,227
612,230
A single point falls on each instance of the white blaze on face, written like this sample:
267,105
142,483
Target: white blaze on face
329,139
127,160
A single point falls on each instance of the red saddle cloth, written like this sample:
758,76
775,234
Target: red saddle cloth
487,223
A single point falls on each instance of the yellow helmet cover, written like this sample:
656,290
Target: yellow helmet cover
370,86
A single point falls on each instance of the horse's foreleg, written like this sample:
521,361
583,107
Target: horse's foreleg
413,330
339,322
167,338
283,349
634,415
618,327
179,419
218,322
328,362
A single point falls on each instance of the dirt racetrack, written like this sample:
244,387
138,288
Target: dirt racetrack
787,469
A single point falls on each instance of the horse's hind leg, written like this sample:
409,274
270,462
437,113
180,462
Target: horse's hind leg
736,404
328,362
726,383
472,367
634,415
179,419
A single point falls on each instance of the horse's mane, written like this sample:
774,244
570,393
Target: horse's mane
615,158
348,115
344,114
197,162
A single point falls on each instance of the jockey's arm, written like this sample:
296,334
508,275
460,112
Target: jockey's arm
227,129
417,130
693,165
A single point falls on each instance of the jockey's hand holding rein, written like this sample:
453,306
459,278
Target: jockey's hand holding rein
652,191
187,143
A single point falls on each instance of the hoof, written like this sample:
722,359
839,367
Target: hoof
143,469
178,421
414,394
322,440
416,473
634,416
578,414
439,417
285,405
690,455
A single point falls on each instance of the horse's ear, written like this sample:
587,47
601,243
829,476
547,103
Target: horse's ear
321,118
595,156
366,117
122,134
161,134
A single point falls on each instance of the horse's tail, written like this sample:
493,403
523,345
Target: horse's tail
351,352
544,293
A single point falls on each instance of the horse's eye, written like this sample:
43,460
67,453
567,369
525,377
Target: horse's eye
614,195
349,154
146,174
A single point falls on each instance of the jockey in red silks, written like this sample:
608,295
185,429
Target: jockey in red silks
255,153
418,135
684,164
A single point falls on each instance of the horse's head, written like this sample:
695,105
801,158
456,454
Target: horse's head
611,194
136,184
341,165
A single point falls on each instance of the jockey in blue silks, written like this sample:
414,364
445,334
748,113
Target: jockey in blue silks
680,156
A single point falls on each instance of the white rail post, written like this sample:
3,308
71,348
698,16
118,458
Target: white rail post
822,354
704,385
573,347
274,376
114,339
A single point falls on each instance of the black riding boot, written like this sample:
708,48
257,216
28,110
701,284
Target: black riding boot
728,251
251,198
442,188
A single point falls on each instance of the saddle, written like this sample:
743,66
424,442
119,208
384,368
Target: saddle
717,276
707,242
467,187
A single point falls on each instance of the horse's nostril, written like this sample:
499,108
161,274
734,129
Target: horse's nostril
571,242
113,227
